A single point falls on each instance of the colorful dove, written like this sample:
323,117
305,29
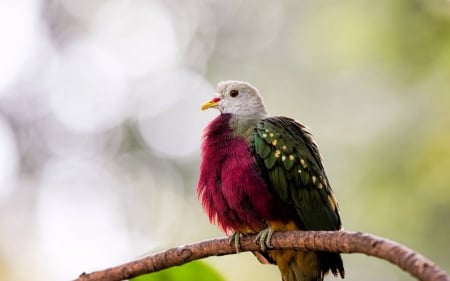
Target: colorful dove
262,173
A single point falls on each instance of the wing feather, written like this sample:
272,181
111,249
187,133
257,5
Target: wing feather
292,165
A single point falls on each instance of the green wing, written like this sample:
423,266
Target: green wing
292,165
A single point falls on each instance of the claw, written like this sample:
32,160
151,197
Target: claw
236,238
263,238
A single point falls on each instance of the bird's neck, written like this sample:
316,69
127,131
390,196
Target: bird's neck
244,125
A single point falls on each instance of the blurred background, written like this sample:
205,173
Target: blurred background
100,122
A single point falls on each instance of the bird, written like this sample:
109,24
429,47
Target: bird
261,173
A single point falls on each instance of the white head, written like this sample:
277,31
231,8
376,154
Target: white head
238,98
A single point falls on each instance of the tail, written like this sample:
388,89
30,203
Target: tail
307,266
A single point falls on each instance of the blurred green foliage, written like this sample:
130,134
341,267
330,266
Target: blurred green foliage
193,271
408,187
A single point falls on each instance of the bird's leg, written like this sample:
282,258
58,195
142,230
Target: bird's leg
236,239
263,238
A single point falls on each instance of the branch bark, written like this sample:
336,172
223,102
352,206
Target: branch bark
330,241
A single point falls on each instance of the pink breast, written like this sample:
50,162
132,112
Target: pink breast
233,192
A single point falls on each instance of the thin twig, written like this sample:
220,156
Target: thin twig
330,241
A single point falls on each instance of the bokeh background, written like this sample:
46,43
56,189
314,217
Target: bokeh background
100,122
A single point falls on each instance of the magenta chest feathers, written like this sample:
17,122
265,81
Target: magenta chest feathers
233,192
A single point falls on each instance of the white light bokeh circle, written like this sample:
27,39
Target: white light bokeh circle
139,34
18,33
176,132
87,89
80,224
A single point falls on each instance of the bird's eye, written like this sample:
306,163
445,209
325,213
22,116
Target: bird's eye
234,93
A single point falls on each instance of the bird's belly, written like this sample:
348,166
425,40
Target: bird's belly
251,206
277,225
242,214
242,201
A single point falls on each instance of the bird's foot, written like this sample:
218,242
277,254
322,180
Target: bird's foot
263,238
235,239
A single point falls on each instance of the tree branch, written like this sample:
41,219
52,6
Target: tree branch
330,241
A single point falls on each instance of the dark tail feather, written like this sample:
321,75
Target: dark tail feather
307,266
332,262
